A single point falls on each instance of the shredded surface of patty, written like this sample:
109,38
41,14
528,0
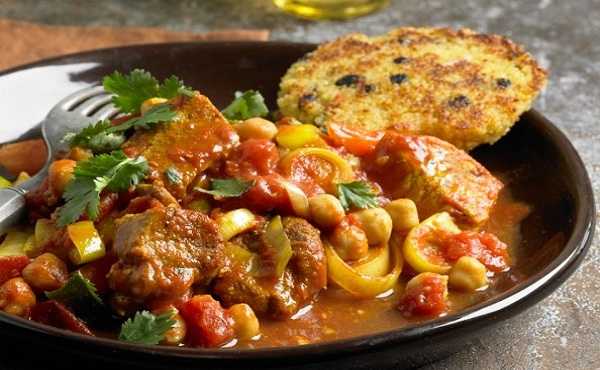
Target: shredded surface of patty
463,87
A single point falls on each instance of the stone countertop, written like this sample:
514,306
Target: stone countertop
563,331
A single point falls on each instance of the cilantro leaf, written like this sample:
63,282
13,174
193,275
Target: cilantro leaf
80,295
114,172
103,137
173,86
146,328
96,137
76,290
228,187
357,194
173,175
157,114
246,105
131,90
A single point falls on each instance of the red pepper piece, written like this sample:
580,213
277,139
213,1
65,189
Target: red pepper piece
11,267
55,314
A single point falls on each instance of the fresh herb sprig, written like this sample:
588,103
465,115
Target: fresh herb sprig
227,188
246,105
102,136
77,290
357,194
146,328
96,137
81,296
132,89
114,172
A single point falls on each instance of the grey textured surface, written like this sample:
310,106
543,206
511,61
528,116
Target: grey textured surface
564,331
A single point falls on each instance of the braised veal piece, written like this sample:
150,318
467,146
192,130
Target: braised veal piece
180,224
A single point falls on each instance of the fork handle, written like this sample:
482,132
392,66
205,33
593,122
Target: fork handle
12,207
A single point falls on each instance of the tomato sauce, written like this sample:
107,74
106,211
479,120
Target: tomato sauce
338,315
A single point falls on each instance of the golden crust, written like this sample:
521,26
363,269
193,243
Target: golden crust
463,87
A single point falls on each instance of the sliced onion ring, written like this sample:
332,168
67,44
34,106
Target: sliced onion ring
377,263
360,285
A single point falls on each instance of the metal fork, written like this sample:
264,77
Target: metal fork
70,114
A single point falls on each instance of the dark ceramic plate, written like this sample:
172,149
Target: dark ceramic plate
543,166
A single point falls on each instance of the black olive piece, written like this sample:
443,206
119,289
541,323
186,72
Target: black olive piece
306,98
401,60
398,78
369,88
459,101
503,83
348,80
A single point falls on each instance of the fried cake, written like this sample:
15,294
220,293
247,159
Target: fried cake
458,85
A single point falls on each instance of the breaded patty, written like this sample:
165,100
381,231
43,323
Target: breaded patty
463,87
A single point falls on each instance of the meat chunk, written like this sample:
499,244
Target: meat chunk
304,276
436,176
196,138
163,251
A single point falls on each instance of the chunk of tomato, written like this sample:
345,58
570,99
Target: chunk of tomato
425,295
11,267
484,246
208,324
265,195
356,141
253,157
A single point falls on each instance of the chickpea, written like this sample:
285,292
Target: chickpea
468,274
176,334
46,272
78,153
376,223
350,242
403,213
325,210
16,297
256,128
59,175
149,103
245,322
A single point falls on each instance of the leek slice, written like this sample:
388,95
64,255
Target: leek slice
14,243
279,249
236,222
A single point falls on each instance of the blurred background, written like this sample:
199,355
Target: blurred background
563,331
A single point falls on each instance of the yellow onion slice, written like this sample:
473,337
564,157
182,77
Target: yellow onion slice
358,284
298,199
420,249
377,262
